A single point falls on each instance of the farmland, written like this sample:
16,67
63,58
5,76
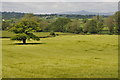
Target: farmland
77,46
65,56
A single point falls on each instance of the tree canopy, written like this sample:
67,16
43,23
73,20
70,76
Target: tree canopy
24,29
46,23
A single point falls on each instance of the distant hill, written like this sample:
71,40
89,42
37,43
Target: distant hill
83,12
18,15
9,15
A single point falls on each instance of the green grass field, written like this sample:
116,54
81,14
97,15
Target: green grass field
39,34
67,56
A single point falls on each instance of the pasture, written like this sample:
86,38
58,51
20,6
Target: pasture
66,56
7,34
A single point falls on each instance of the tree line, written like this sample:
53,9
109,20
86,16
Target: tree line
18,15
95,25
24,27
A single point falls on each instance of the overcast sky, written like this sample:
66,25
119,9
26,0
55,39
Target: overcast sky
56,6
60,0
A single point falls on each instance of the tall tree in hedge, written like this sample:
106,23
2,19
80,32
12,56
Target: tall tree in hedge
84,20
73,27
86,26
99,22
109,23
95,25
116,19
58,25
91,26
24,29
113,23
100,26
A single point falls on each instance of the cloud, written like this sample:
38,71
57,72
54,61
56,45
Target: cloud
60,0
56,7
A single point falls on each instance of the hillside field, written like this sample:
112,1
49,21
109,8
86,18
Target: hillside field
65,56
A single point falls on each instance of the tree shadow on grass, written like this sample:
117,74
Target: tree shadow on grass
28,43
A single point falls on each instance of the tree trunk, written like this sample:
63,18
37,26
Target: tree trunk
24,41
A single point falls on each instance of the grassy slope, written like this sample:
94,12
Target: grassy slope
80,56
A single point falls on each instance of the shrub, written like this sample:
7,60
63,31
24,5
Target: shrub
52,33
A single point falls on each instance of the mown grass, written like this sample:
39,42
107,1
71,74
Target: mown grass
70,56
7,34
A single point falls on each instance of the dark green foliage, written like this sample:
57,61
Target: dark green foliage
85,28
17,15
24,26
20,37
86,24
10,15
75,16
5,25
24,29
84,20
73,27
100,26
113,22
99,23
58,25
92,26
52,33
117,22
109,24
44,25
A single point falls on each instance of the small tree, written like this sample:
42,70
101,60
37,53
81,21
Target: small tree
52,34
24,29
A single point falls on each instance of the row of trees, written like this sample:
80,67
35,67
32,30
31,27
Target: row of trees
94,25
30,23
